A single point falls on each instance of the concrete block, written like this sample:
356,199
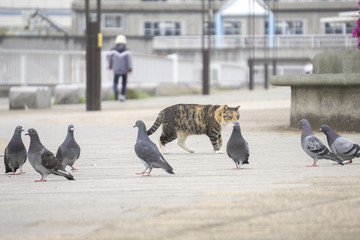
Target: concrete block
337,61
337,106
68,94
29,97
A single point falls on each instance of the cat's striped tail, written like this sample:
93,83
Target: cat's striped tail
156,124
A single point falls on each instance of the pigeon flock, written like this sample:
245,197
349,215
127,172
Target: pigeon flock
342,151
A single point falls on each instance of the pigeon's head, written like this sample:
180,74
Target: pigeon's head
71,128
19,129
304,123
139,124
324,128
31,132
236,124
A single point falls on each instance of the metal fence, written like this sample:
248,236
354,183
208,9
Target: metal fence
27,67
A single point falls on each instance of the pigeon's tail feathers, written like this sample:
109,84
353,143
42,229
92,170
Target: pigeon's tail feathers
156,124
63,173
170,171
357,150
6,161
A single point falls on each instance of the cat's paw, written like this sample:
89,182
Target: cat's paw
219,151
165,151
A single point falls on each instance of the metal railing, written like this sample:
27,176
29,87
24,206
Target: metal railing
29,67
257,41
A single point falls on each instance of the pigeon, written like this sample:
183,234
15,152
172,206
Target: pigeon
69,151
15,153
42,160
148,152
313,146
341,146
237,147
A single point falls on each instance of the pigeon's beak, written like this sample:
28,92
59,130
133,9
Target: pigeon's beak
27,133
71,129
320,130
134,126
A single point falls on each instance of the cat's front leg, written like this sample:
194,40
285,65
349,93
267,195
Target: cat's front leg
216,141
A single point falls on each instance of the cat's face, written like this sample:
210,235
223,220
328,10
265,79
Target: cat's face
230,114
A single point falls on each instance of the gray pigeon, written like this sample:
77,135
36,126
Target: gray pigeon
237,147
69,151
341,146
42,160
148,153
313,146
15,153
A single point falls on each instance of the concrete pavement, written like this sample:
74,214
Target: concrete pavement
274,197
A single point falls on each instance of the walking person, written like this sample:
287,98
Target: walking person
121,63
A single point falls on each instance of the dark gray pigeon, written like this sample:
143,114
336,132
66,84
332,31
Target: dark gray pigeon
42,160
148,153
313,146
69,151
341,146
237,147
15,153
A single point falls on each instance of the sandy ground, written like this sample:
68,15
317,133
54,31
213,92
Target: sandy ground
274,197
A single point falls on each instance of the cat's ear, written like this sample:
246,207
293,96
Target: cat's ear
237,108
225,108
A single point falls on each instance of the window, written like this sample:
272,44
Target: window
339,28
113,21
232,28
166,28
287,27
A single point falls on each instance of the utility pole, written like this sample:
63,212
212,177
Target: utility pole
206,51
93,58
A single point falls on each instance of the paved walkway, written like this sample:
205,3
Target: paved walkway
274,197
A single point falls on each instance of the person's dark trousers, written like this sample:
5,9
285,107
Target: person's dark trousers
115,86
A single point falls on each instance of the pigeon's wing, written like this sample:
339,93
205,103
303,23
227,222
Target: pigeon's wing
345,146
49,161
6,161
147,151
314,145
247,153
142,150
79,150
59,154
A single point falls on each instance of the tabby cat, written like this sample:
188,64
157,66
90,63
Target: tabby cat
182,120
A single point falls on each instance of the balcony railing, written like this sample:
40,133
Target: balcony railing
257,41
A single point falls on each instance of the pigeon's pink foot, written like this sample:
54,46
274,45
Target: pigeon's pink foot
74,169
148,174
313,165
349,162
41,180
21,171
